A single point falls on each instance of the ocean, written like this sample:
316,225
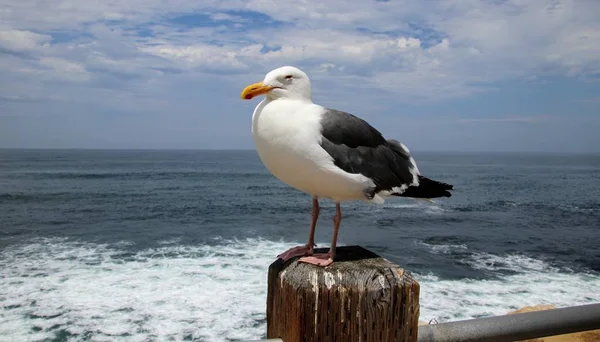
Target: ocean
117,245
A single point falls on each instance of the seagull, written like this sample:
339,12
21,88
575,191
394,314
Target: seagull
328,153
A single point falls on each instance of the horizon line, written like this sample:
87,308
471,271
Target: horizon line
252,149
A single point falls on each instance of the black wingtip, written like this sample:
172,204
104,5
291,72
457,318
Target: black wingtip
428,188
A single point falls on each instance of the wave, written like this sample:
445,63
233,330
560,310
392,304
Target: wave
216,292
428,208
52,196
132,175
533,283
55,287
517,280
516,263
505,205
444,248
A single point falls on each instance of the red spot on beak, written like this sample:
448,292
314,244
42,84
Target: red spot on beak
254,90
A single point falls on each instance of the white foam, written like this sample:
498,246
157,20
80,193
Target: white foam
402,205
420,205
211,293
534,282
443,249
512,262
218,293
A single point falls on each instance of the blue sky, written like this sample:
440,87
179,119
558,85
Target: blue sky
470,75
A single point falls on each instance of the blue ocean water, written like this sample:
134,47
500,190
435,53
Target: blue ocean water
138,245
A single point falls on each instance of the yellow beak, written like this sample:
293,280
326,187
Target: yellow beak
254,90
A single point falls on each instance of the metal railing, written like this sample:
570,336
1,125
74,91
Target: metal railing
515,327
509,328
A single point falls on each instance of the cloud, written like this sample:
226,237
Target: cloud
435,51
19,40
162,56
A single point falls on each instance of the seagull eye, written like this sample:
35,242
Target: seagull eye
288,77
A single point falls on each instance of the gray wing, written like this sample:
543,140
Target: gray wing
357,147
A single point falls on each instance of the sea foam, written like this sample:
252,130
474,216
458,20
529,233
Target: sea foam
57,288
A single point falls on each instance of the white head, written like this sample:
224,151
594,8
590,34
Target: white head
285,82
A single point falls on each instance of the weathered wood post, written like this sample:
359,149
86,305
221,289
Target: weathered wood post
360,297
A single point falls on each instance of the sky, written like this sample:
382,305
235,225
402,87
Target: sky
441,75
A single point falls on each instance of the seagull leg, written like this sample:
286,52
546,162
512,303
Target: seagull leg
308,248
325,259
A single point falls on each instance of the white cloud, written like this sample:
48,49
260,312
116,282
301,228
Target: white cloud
434,50
208,56
21,40
227,17
62,65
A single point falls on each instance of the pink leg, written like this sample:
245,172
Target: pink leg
308,248
325,259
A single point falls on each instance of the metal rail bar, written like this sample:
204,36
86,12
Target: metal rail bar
509,328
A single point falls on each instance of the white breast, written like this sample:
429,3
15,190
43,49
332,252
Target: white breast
287,135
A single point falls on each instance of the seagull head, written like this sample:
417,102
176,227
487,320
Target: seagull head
286,82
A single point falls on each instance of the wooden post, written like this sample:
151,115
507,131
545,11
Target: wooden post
360,297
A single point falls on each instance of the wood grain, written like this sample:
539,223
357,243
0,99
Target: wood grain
360,297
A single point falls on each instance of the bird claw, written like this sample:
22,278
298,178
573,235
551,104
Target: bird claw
321,260
295,252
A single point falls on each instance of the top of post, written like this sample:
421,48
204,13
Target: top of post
353,264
